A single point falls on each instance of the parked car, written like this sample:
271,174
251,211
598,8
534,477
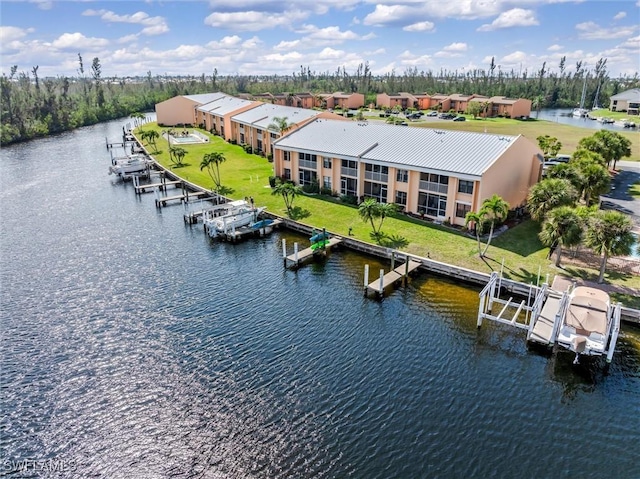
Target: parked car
446,116
432,113
459,118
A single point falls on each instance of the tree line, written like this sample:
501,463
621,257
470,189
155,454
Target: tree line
33,107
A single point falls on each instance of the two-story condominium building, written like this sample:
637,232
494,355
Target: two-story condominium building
346,101
181,110
440,174
216,115
252,127
627,101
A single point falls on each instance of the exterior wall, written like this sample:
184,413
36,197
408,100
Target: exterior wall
511,175
355,101
227,123
522,107
175,111
383,100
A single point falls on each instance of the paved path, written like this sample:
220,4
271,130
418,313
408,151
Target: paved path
619,198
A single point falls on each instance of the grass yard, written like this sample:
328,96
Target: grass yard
634,190
245,175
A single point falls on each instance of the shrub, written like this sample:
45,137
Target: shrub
326,191
349,199
272,181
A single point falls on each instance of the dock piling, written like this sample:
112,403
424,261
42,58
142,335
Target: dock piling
295,252
366,278
381,281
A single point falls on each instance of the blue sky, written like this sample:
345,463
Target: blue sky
278,36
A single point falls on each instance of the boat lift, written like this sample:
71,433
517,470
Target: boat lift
544,310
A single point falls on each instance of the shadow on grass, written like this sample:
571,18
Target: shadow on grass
226,191
522,239
298,213
522,275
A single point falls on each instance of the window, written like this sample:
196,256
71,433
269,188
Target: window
326,163
259,146
465,186
307,160
287,155
259,131
348,186
376,173
375,190
433,182
402,176
307,177
349,168
286,174
462,209
432,205
273,136
401,198
242,138
326,182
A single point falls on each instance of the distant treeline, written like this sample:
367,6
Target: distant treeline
32,107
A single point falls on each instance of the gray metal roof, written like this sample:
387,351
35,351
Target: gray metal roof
261,116
224,105
455,152
629,95
205,97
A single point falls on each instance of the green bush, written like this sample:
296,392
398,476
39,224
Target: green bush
349,199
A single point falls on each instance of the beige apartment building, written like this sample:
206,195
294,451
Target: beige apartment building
439,174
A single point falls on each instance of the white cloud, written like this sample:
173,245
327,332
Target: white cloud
253,20
593,31
9,34
516,17
78,40
420,27
620,15
456,47
43,4
555,48
153,25
128,38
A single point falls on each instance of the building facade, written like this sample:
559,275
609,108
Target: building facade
439,174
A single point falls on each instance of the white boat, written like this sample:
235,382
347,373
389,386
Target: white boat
237,214
588,323
128,165
580,113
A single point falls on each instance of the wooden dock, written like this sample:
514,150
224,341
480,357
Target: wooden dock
299,257
543,329
140,188
392,277
186,196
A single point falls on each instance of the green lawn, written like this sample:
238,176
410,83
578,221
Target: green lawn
634,190
247,175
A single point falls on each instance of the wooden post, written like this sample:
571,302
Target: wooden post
381,282
405,278
284,250
157,191
393,260
295,253
366,278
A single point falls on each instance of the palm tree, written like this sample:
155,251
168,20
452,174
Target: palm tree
370,210
610,144
280,124
178,153
609,233
536,104
596,179
211,161
478,221
549,194
288,191
562,227
152,136
496,209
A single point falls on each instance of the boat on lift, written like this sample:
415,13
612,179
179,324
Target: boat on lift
129,165
235,215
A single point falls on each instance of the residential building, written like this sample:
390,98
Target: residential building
346,101
252,127
181,110
439,174
509,107
216,115
627,101
403,100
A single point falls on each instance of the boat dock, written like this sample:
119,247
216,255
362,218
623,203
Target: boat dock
185,196
401,273
245,232
140,188
298,258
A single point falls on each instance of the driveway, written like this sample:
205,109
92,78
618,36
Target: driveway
619,198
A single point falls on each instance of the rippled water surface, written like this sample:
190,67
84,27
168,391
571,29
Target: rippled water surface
132,346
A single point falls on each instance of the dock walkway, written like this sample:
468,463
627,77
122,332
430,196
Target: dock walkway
378,286
543,329
186,196
297,258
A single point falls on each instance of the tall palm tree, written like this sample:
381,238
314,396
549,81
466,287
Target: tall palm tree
288,191
496,210
280,124
609,233
536,104
549,194
211,161
368,211
477,218
178,153
152,136
595,178
562,227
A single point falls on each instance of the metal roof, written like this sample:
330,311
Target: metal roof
629,95
224,105
455,152
205,97
263,115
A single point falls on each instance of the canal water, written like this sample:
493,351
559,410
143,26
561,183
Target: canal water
565,117
133,346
